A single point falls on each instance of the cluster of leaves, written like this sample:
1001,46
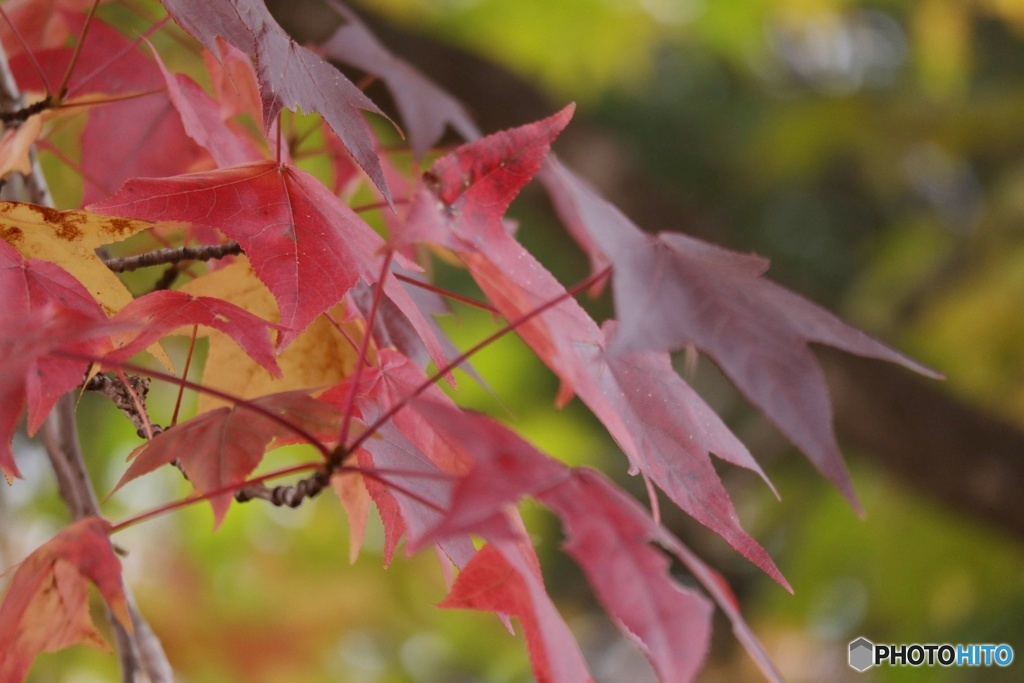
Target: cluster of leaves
334,320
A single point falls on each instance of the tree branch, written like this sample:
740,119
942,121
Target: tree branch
115,389
140,650
125,264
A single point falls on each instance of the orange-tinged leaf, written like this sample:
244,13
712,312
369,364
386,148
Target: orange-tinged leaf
504,577
351,490
46,607
15,145
69,239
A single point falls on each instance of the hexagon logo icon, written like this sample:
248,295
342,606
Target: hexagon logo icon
862,654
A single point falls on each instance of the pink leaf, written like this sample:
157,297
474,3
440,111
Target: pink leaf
290,76
672,290
203,122
425,108
609,538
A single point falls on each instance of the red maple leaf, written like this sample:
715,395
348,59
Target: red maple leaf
46,607
504,577
467,191
45,309
608,533
159,313
223,446
304,244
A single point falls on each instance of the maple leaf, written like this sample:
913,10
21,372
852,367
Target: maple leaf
662,425
154,145
608,534
642,402
467,191
304,244
69,239
504,577
202,118
425,108
159,313
223,446
672,290
46,607
290,76
45,309
609,540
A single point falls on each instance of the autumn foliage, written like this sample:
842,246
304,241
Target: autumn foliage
319,314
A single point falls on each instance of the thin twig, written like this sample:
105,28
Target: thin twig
342,451
114,389
292,496
126,264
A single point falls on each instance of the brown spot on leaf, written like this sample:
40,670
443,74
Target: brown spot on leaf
119,226
11,234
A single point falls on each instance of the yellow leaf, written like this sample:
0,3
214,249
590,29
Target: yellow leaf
69,239
318,358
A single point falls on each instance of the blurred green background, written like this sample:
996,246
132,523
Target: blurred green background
874,151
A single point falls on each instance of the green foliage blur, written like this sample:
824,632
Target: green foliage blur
872,150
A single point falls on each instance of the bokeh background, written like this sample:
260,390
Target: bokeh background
875,152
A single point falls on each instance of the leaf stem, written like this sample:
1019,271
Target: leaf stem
184,374
31,55
227,488
364,346
341,451
63,89
448,294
